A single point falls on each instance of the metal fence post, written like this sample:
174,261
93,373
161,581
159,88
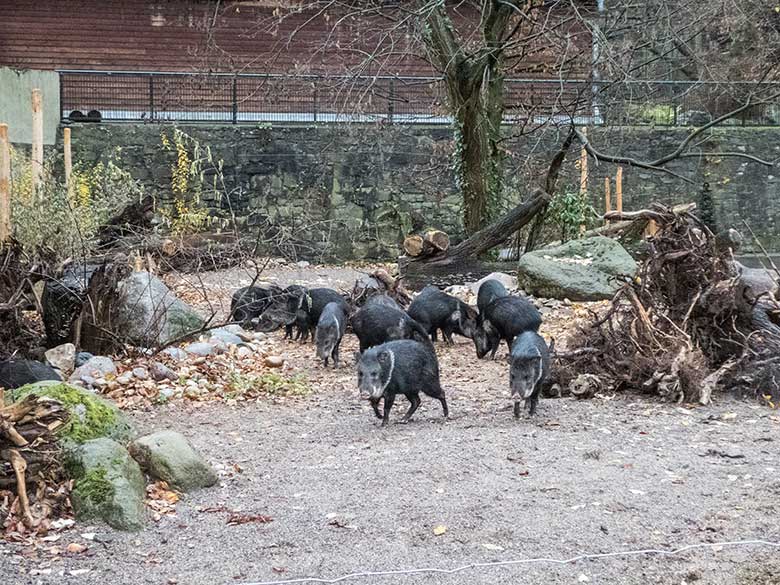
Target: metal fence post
391,101
62,113
235,100
151,96
314,106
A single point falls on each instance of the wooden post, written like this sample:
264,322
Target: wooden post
607,197
619,190
583,177
5,185
68,161
37,141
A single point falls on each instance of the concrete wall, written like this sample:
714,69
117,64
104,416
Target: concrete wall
353,191
15,105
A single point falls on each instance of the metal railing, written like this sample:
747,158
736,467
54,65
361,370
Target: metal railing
87,95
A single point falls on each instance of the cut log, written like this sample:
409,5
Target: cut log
413,245
430,243
436,240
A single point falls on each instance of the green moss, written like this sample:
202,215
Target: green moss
90,416
93,488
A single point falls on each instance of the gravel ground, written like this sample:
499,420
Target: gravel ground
345,495
609,474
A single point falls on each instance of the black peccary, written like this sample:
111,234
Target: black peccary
15,373
489,291
296,309
250,302
505,318
399,367
330,330
376,324
530,365
308,308
383,300
436,310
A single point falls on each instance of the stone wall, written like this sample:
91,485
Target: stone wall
334,191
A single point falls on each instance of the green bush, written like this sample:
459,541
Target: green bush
569,210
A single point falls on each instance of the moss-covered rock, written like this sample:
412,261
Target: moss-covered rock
167,455
91,417
108,484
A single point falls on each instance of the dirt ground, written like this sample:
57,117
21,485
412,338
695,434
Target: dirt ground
610,474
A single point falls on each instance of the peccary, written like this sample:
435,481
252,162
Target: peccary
15,373
530,365
330,330
250,302
383,300
375,324
307,308
436,310
399,367
505,318
489,291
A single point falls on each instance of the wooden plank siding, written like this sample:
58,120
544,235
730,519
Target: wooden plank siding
204,36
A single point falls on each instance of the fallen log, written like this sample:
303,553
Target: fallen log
429,243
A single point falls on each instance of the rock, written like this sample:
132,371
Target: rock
303,264
246,336
580,270
16,373
91,417
226,337
97,367
758,280
82,358
162,372
176,353
167,455
233,328
244,351
125,378
509,281
108,484
167,393
141,373
150,314
201,349
218,345
274,361
462,292
63,358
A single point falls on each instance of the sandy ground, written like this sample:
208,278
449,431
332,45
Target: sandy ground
597,476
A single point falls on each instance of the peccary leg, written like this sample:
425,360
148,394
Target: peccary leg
443,400
532,401
389,399
375,406
446,333
415,403
517,409
335,355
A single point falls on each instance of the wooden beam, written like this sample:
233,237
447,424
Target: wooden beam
583,177
5,185
607,197
619,190
67,157
37,142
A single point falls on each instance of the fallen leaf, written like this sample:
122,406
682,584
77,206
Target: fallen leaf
439,529
237,518
75,548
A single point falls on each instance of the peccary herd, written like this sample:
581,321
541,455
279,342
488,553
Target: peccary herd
396,345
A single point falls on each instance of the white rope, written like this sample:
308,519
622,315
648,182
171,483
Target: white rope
582,557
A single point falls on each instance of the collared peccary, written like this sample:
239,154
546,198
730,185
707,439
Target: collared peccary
375,324
297,303
489,291
383,300
505,318
15,373
250,302
436,310
330,330
308,308
530,365
399,367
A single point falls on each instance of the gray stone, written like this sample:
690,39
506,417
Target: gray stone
226,337
95,367
167,455
108,484
509,281
589,269
201,348
140,373
63,358
82,358
176,353
162,372
150,314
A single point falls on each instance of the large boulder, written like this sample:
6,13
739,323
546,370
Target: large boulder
95,367
108,484
509,281
91,416
15,373
62,357
150,314
589,269
167,455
